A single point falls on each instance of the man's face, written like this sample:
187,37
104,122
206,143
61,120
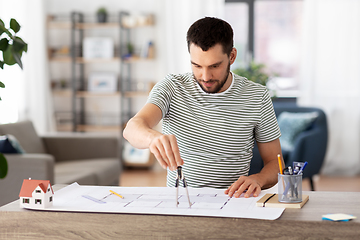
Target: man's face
211,68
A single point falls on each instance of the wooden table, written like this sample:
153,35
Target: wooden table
293,224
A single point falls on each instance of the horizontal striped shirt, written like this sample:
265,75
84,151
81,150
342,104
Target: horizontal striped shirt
215,132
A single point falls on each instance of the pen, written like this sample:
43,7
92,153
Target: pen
281,169
302,168
280,164
116,194
286,187
290,170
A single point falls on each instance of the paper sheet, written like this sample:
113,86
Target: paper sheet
160,200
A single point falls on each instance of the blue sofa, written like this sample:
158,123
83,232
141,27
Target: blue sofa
310,145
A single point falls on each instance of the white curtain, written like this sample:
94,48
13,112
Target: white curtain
331,77
11,76
179,15
32,90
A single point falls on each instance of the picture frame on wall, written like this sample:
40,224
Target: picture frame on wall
102,82
98,48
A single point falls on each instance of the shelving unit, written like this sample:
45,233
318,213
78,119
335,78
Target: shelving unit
59,58
73,89
127,92
80,94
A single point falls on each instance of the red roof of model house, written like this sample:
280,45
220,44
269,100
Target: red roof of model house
29,186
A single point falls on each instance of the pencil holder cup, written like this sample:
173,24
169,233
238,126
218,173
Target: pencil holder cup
290,188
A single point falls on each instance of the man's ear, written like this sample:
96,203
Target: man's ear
233,55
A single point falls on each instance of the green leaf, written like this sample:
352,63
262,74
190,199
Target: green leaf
1,64
8,56
23,45
256,73
3,166
17,57
4,44
18,45
14,25
2,85
2,27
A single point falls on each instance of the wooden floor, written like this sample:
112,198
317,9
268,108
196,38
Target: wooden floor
156,177
146,177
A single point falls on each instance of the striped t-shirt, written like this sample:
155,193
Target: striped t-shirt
215,132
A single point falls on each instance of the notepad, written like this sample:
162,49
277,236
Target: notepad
271,200
338,217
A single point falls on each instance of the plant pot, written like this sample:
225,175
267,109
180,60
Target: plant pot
102,17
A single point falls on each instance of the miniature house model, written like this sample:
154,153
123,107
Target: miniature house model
36,194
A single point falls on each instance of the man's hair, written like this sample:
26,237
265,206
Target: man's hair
209,31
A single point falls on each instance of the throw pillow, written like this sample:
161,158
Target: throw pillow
291,125
9,144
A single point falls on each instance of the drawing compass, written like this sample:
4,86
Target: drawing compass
180,177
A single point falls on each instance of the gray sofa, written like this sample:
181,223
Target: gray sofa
62,159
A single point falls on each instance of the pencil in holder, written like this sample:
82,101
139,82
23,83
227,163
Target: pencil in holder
290,188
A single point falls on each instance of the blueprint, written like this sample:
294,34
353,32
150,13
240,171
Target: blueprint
160,200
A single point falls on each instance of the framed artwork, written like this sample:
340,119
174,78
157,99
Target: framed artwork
98,47
102,82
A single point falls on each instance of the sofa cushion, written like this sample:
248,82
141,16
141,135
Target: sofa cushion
25,133
9,144
291,125
88,172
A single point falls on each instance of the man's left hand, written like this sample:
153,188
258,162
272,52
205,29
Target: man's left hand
244,183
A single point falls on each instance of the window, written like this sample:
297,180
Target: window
38,191
237,15
271,34
37,201
48,190
277,39
50,199
26,200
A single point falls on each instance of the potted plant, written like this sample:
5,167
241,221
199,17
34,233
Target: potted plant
101,15
12,48
256,73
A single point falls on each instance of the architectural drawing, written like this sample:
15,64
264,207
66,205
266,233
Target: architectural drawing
160,201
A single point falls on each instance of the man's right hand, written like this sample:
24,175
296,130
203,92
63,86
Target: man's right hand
140,134
166,151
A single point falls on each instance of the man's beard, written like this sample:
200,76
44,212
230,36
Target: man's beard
221,83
